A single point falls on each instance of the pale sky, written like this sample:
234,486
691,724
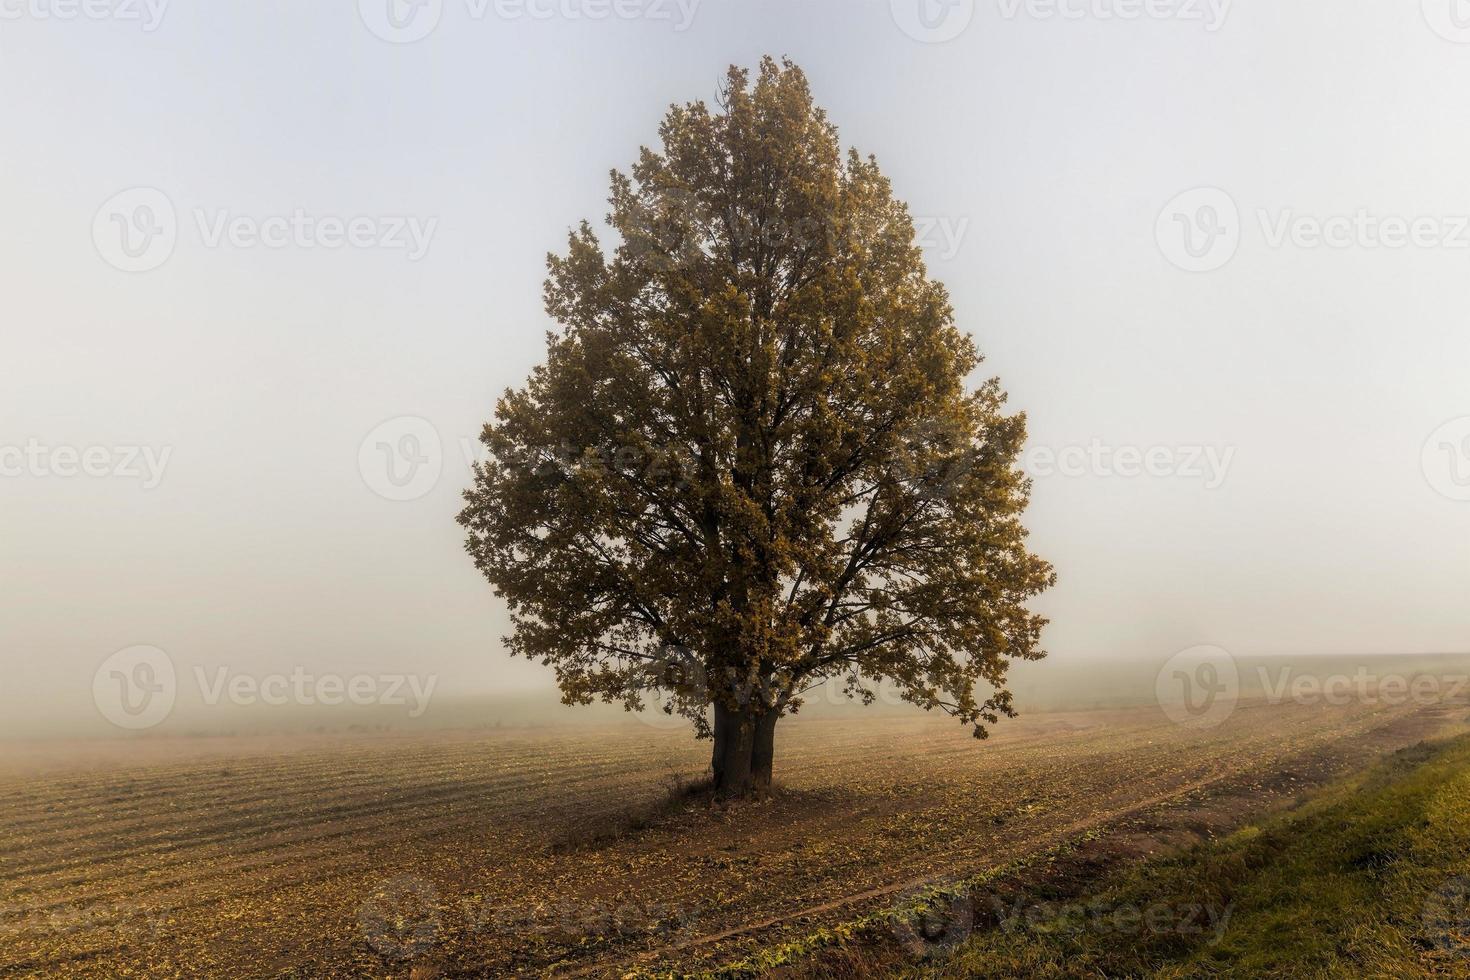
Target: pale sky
1301,499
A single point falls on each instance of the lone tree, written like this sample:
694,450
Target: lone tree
750,465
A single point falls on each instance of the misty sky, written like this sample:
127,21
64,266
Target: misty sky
1298,498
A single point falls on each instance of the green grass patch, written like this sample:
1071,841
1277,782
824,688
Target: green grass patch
1371,879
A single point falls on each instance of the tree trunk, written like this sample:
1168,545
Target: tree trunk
763,752
744,749
731,763
722,743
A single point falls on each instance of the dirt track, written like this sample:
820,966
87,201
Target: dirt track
486,854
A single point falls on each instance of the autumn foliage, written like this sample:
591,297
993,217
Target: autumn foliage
751,462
